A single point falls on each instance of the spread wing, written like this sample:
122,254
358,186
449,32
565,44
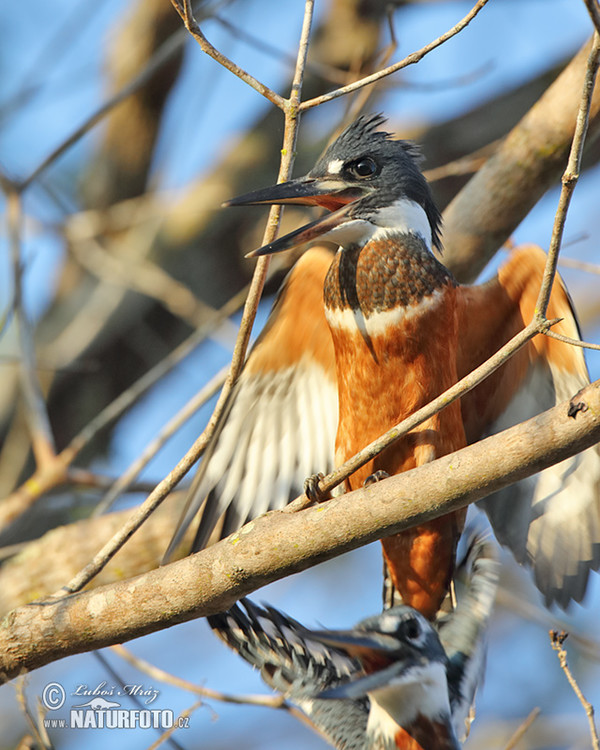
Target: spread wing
291,663
550,521
463,632
280,422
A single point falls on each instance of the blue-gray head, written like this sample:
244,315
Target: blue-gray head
368,180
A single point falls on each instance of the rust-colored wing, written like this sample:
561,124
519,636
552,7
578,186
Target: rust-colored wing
280,423
550,521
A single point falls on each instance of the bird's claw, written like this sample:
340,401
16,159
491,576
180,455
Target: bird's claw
376,476
311,488
576,405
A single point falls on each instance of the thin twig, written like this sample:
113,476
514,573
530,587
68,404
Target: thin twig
580,265
322,70
179,721
357,103
557,639
569,340
467,164
338,475
524,604
150,378
137,518
156,673
86,478
159,58
411,59
522,729
142,276
186,412
56,471
570,177
36,725
185,11
136,699
266,701
37,416
191,457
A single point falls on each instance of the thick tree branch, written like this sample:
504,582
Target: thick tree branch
531,159
281,543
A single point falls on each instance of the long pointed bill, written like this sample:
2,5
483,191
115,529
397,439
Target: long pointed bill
380,659
362,686
307,233
332,194
306,191
355,644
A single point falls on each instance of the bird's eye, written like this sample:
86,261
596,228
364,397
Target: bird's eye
363,167
411,629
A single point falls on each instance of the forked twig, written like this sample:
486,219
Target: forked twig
411,59
540,324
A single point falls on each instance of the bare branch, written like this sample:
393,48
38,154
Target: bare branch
557,640
573,342
166,735
453,393
39,424
55,471
521,730
268,701
134,470
185,11
185,464
279,543
529,160
594,11
570,176
411,59
580,265
166,50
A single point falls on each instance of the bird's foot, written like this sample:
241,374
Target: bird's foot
576,405
312,495
376,476
312,490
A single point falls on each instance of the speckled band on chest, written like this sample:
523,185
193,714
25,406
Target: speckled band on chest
383,275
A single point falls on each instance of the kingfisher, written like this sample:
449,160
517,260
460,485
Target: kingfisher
360,339
393,681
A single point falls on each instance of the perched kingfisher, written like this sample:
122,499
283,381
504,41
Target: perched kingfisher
361,339
393,681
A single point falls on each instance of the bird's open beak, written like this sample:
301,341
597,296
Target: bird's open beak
380,664
334,195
